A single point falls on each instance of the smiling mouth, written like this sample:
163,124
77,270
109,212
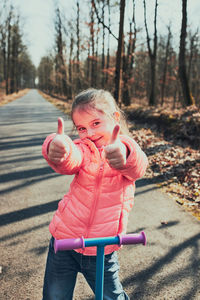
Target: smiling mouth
94,141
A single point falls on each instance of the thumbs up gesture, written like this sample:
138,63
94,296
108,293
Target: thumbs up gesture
115,152
59,148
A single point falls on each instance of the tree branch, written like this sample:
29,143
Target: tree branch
101,22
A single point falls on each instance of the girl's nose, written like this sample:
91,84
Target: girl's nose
90,132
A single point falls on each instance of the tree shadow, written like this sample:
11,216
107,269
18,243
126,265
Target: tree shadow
27,213
168,224
18,160
32,142
23,232
39,250
27,183
142,278
26,174
144,182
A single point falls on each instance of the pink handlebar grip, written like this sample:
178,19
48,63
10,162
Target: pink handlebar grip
69,244
134,238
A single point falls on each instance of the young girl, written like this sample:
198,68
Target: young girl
106,163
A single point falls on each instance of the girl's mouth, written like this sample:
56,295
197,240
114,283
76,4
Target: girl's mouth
96,140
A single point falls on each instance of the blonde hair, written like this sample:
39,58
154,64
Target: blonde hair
102,101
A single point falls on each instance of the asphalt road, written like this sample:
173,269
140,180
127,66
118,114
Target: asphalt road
167,268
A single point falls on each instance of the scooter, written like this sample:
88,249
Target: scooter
100,243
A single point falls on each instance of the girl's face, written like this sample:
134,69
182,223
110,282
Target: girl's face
94,125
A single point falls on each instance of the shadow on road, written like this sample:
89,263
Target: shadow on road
26,174
144,280
23,232
25,184
27,213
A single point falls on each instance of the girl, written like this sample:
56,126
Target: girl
106,163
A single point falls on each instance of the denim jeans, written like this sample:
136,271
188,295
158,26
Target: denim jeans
62,269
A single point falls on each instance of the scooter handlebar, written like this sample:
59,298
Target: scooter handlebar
127,239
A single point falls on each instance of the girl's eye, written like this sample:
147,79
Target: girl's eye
96,123
81,129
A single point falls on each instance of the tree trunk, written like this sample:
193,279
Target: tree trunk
93,73
187,97
103,46
118,71
108,45
71,79
152,54
60,68
8,53
78,80
165,66
4,55
128,61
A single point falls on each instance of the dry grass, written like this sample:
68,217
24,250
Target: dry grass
60,104
5,99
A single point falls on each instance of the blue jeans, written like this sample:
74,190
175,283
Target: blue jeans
62,269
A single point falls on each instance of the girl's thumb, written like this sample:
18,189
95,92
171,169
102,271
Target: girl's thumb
60,129
115,134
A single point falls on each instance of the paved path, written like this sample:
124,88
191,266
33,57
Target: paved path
167,268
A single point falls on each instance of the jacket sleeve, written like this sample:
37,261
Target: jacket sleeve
137,161
71,164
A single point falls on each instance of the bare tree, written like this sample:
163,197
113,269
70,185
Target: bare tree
103,43
9,27
70,68
93,58
165,65
16,49
192,50
78,81
152,53
187,96
45,71
193,70
101,21
61,74
3,32
118,69
108,45
128,59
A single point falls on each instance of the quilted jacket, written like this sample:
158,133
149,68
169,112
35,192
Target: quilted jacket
100,198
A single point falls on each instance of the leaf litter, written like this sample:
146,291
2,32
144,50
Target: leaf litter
175,168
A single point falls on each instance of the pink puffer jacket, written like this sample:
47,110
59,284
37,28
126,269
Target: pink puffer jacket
100,198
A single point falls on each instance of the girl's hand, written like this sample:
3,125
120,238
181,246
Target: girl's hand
59,148
115,152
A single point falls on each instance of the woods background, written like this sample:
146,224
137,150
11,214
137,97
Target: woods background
138,64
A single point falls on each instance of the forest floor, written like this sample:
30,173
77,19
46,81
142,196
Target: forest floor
170,138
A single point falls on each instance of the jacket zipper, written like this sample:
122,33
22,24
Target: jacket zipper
96,195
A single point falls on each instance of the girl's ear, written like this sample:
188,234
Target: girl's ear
116,116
